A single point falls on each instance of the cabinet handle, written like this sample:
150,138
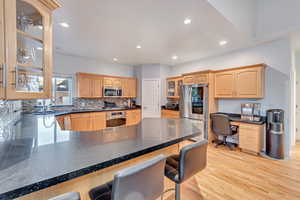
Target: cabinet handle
16,78
3,69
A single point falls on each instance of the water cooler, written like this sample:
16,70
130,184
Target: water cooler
275,133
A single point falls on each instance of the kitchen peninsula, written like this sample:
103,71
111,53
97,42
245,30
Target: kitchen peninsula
45,161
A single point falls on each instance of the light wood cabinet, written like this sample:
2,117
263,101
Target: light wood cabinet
196,78
89,86
112,82
129,87
28,48
98,120
170,114
251,137
244,82
173,87
133,117
2,52
81,122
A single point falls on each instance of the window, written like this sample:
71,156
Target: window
62,89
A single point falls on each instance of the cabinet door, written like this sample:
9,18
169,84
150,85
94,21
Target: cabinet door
171,88
2,58
133,117
132,87
28,39
224,84
96,87
81,122
188,80
98,121
249,83
170,114
108,81
250,137
84,85
117,83
126,87
201,79
179,83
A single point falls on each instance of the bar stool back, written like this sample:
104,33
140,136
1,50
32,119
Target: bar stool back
144,181
191,160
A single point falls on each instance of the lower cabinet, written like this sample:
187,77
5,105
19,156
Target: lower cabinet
170,114
93,121
251,137
133,117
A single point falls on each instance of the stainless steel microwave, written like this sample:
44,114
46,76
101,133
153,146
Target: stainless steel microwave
112,92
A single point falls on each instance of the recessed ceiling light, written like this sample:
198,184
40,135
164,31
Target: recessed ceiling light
64,24
39,48
115,59
187,21
138,47
223,42
174,57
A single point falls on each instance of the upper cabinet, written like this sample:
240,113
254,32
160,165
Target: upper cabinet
173,87
243,82
195,78
26,68
91,85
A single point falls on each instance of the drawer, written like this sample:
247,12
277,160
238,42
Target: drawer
80,115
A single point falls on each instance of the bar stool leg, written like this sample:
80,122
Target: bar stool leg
177,191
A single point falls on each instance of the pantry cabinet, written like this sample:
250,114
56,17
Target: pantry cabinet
244,82
26,68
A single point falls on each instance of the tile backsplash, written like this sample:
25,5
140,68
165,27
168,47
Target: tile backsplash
98,103
10,112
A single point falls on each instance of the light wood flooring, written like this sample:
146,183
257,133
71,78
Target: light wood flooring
234,175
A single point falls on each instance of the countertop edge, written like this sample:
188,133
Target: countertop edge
84,171
91,111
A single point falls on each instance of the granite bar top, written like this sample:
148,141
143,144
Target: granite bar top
77,110
36,154
237,118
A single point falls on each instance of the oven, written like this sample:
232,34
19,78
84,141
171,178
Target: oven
112,92
115,119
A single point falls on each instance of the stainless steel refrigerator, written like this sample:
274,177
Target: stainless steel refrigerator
193,104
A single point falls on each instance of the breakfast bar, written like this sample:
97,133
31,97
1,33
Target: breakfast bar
42,161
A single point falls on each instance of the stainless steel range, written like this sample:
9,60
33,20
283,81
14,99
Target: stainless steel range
115,119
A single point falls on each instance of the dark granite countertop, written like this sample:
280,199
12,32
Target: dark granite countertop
36,154
237,118
76,110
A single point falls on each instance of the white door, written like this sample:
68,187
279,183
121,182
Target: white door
151,98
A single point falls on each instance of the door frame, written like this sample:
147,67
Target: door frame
159,95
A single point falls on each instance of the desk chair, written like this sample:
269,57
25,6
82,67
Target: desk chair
221,127
144,181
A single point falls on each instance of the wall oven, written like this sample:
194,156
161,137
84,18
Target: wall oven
112,92
115,119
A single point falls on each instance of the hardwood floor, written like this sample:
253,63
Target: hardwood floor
237,175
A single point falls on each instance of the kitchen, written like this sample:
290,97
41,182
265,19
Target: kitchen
77,108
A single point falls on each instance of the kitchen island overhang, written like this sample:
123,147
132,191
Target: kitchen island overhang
86,152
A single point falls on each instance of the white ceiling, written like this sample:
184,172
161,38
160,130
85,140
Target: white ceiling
105,29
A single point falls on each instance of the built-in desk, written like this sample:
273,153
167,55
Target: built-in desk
251,133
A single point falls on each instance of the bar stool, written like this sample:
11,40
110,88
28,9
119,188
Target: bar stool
67,196
144,181
191,160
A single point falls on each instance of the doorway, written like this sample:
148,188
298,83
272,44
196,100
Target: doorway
150,98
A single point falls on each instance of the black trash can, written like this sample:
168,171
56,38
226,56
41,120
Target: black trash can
275,133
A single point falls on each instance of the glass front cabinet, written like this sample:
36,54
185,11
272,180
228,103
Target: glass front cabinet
26,48
173,87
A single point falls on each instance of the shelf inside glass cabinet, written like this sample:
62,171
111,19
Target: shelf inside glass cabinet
29,78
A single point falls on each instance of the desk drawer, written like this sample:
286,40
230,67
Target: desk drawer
250,137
